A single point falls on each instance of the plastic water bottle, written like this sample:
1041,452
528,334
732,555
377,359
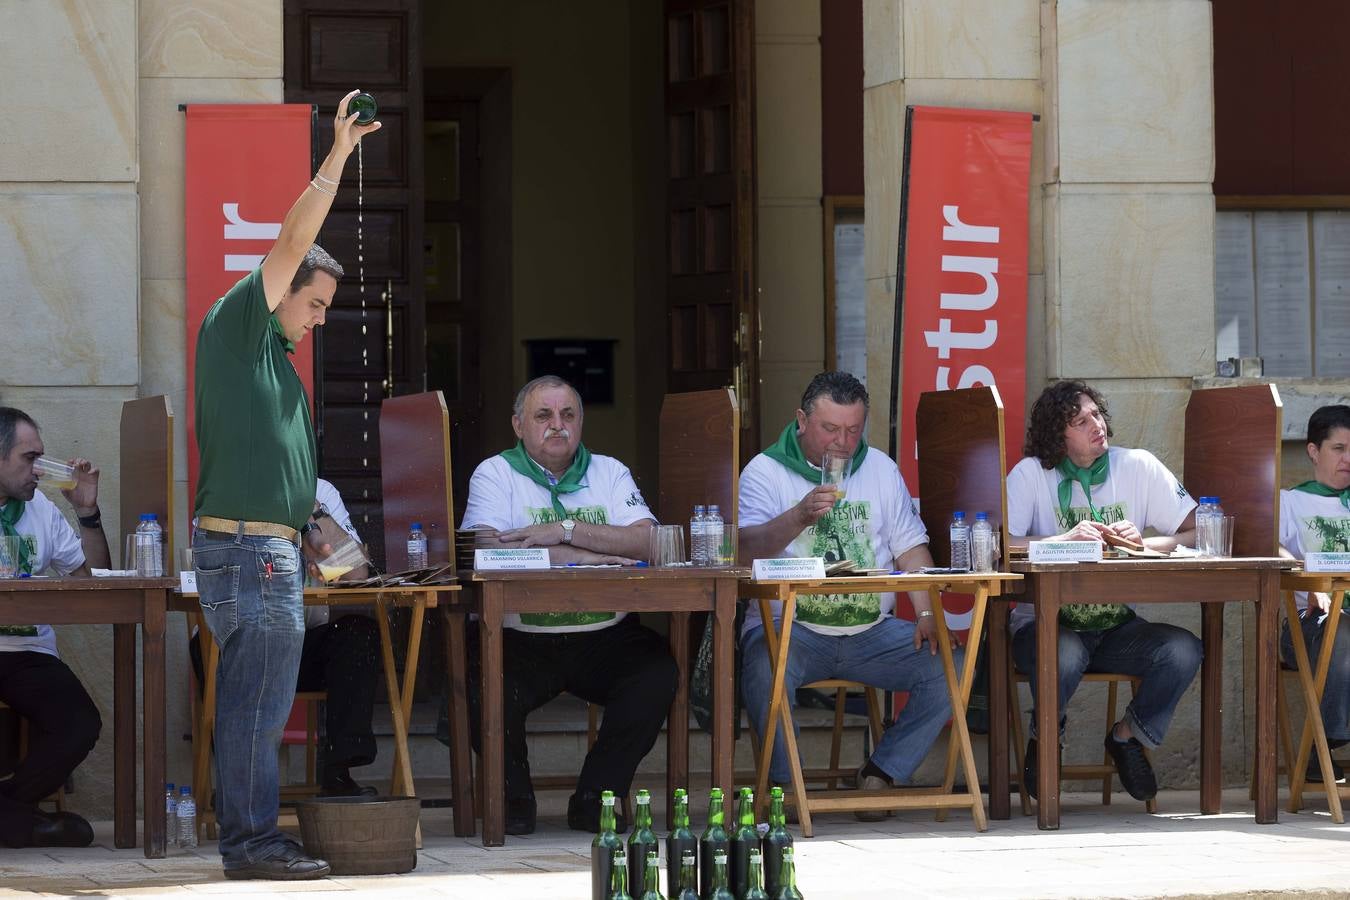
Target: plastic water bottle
156,547
1216,529
187,818
960,533
1204,540
145,548
698,545
982,544
417,547
170,814
712,536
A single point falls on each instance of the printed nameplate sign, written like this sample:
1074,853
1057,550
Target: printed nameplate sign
1064,551
1326,562
187,581
804,568
515,558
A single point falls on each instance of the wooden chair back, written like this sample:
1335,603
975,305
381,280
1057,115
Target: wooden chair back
1233,453
961,453
699,454
415,477
146,448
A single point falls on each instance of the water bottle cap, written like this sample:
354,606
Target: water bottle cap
185,790
152,517
698,509
417,526
168,785
959,515
713,508
981,517
1209,499
146,517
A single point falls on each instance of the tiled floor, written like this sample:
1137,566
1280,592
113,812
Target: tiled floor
1123,852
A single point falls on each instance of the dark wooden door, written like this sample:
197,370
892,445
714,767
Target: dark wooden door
710,203
373,345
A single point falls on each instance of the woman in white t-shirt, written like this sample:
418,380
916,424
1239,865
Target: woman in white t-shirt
1315,518
1073,486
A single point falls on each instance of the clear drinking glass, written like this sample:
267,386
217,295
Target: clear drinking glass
834,470
346,555
665,546
55,472
726,553
9,556
1223,535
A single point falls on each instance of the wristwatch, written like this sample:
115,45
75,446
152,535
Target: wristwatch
568,525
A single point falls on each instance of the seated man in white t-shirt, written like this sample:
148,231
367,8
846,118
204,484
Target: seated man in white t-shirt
785,511
1072,485
550,491
63,722
1315,518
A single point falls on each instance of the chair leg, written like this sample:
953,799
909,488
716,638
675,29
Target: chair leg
840,698
1286,745
1019,745
1110,724
874,715
311,744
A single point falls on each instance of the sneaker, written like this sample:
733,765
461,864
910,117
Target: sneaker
1314,775
1133,767
341,784
871,778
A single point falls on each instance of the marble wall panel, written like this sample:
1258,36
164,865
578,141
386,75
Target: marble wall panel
71,70
791,282
1135,91
972,38
68,267
883,162
210,39
787,98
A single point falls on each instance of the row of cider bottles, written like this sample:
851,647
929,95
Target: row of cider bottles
739,865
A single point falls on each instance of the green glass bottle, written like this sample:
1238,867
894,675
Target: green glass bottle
641,841
787,877
688,877
754,889
603,848
743,839
719,890
618,883
775,841
680,842
651,883
363,107
713,840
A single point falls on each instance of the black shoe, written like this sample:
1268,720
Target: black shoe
1133,767
1030,769
583,813
60,829
520,815
342,785
1315,772
292,866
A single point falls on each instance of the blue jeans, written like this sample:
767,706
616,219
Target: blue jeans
882,656
1165,657
1336,694
256,617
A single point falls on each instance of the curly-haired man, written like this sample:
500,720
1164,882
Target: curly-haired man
1072,485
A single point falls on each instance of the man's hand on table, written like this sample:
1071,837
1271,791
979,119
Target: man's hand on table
545,534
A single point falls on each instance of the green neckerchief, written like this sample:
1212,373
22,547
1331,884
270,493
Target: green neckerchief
519,460
1086,477
10,514
788,451
285,341
1321,490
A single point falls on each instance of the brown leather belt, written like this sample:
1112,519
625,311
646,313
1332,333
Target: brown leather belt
256,529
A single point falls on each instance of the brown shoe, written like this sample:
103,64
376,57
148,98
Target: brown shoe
871,782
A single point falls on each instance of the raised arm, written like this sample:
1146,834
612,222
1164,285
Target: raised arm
769,538
301,225
84,498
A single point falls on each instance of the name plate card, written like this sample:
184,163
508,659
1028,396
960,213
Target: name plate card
803,568
1326,562
1064,551
511,559
187,581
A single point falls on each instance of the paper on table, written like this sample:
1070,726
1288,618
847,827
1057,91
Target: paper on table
113,573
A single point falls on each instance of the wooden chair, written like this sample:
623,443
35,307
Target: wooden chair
305,733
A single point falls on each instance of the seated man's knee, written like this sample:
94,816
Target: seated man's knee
1181,652
83,724
1073,655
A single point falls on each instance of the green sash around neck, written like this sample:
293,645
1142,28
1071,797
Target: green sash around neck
519,460
1086,477
788,451
1321,490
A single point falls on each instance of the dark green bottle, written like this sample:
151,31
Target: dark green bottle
775,841
363,107
714,840
641,841
743,840
719,890
754,889
680,842
603,850
787,877
618,884
651,884
688,877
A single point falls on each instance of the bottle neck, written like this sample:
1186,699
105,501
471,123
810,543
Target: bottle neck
777,818
716,815
756,871
642,817
687,877
719,871
650,878
607,822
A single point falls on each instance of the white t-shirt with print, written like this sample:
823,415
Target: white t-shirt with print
1138,488
1312,524
873,525
327,496
502,498
52,543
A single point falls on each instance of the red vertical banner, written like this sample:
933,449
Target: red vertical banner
964,263
244,167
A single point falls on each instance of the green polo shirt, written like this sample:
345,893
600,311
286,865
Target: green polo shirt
255,440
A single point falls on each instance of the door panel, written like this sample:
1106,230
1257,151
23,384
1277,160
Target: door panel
332,47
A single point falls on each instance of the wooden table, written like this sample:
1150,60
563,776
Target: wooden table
416,597
981,585
1312,679
678,591
1210,582
124,603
